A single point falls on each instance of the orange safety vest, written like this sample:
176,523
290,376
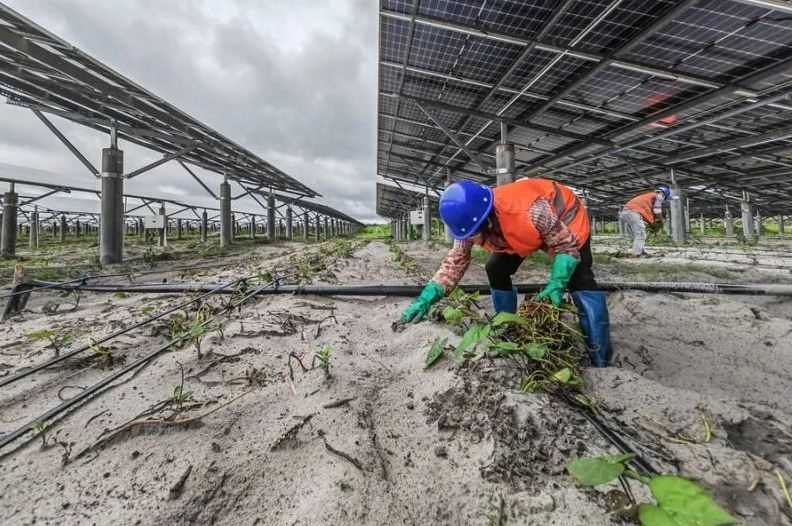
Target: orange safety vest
511,206
644,205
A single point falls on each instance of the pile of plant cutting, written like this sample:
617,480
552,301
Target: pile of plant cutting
540,341
542,344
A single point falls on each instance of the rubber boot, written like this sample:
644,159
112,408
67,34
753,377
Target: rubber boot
504,300
592,306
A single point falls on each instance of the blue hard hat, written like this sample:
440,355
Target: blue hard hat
464,206
665,190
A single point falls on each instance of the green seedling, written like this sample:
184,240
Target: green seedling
103,354
679,502
120,295
56,341
40,428
323,357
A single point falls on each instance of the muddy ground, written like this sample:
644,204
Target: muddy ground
381,440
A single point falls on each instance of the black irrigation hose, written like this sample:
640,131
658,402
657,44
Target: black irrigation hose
97,387
610,435
131,273
757,289
65,356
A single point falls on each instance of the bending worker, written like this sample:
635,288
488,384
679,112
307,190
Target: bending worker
642,208
512,222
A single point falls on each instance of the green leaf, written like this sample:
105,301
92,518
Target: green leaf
472,337
536,350
687,502
598,470
651,515
503,318
563,376
453,315
435,352
197,331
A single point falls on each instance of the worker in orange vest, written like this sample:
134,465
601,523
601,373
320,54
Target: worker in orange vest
642,210
512,222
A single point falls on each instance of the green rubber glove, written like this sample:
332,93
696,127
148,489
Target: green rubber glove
560,273
418,309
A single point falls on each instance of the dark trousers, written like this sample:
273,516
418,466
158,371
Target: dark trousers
501,267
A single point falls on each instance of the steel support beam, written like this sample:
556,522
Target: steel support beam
163,232
289,224
67,143
198,179
728,219
63,227
746,210
271,235
456,140
306,224
111,224
504,158
159,162
225,214
8,235
33,238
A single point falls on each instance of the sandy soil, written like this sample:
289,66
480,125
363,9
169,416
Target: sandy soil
382,441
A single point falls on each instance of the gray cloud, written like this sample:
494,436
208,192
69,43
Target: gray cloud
294,83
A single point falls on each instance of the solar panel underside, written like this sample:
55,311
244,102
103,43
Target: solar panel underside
607,95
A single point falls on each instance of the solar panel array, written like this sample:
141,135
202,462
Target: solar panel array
394,202
40,71
605,95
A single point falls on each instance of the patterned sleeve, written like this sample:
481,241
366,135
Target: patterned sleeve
657,207
454,265
555,234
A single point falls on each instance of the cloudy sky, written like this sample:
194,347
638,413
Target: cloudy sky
293,81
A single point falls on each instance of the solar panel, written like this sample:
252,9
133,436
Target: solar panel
40,71
599,93
393,202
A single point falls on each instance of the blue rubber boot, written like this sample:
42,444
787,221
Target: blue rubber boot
592,306
504,300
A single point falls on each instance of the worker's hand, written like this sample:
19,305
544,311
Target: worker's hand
560,273
418,309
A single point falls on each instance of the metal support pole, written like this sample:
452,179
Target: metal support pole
163,232
252,226
678,230
225,214
8,236
747,217
729,222
111,222
271,217
204,226
63,227
289,223
427,216
178,228
318,233
327,233
34,229
504,158
306,224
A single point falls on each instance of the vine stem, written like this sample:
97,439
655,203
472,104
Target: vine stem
637,476
784,488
